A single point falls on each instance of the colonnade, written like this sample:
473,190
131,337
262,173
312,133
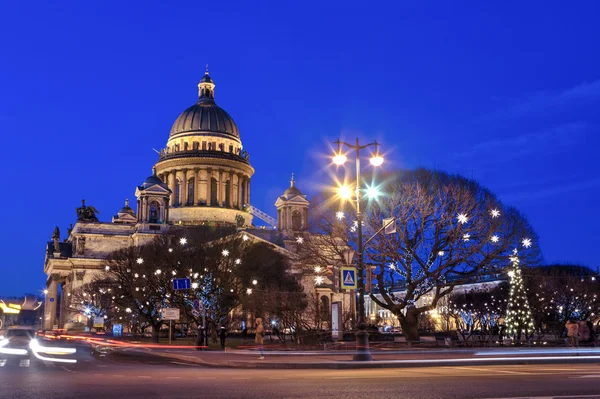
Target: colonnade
201,178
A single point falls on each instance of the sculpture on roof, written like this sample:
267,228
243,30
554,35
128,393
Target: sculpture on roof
56,239
86,213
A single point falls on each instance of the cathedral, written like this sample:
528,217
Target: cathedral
202,176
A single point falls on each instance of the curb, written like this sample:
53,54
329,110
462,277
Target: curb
375,364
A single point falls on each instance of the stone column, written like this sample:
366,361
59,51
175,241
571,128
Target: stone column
146,210
173,181
248,191
139,210
50,303
231,197
63,305
197,187
184,188
208,186
166,212
220,188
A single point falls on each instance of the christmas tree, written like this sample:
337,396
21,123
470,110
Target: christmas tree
518,315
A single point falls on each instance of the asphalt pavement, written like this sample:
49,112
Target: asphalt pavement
102,375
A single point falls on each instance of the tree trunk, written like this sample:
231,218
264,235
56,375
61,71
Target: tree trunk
410,325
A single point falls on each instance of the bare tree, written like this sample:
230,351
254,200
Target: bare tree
558,293
449,230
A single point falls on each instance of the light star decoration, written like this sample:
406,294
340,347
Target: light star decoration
140,261
526,242
339,215
462,218
299,240
225,252
466,237
495,213
183,240
319,280
495,238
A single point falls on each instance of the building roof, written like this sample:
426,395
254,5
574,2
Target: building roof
153,180
292,190
205,115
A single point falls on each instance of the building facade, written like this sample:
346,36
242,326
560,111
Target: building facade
202,175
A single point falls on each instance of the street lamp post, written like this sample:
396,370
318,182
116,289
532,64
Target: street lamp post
362,336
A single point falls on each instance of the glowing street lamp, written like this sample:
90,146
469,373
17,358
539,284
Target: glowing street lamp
372,192
362,336
345,192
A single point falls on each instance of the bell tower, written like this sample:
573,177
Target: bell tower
292,212
153,202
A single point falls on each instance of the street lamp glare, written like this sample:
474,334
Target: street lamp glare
339,158
376,159
372,192
345,192
45,292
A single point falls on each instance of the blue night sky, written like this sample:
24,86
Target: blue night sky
506,93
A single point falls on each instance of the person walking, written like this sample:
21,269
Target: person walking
260,337
572,332
222,335
200,337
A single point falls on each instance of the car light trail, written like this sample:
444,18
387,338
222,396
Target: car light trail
36,348
10,351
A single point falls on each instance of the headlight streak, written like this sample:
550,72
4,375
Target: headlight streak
36,349
10,351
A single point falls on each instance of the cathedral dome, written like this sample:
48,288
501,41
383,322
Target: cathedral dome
292,190
205,115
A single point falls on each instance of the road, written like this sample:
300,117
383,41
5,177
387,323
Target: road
104,377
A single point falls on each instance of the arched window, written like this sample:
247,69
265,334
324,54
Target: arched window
154,213
196,145
297,220
227,194
213,191
178,193
190,191
185,146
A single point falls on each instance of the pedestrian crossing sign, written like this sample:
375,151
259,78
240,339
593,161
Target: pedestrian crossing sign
348,278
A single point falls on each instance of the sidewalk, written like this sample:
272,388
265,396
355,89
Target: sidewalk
234,358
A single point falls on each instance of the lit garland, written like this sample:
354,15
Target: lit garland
518,316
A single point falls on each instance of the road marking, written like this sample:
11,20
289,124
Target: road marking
174,378
24,363
2,362
493,371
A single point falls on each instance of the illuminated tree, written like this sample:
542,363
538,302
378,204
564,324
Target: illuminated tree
561,292
448,230
518,314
